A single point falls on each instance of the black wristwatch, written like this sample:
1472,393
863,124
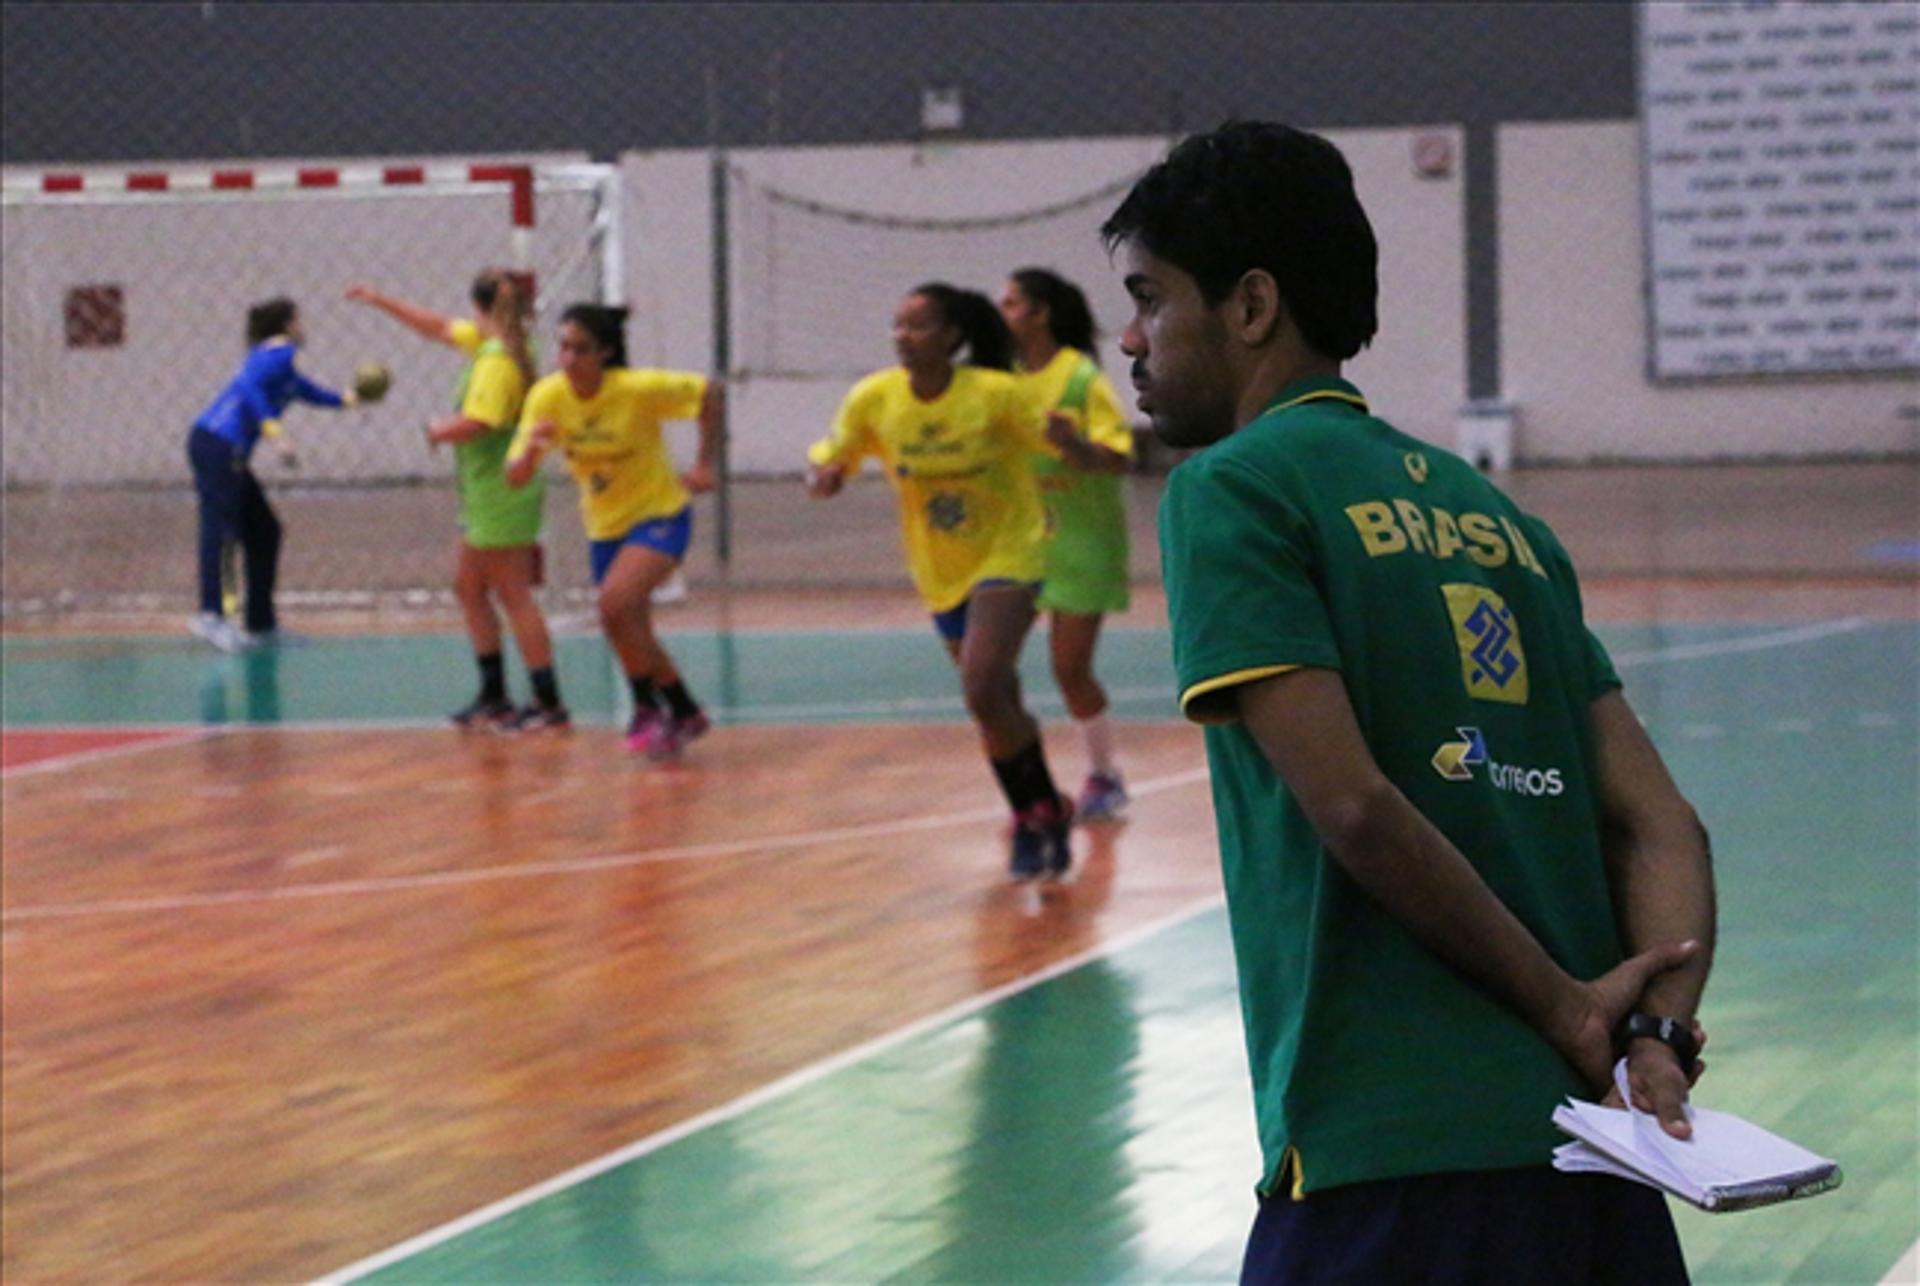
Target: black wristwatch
1675,1033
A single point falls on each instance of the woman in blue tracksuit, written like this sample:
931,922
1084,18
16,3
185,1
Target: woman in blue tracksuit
232,504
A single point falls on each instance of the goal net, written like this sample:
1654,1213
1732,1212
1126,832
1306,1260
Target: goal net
817,267
125,299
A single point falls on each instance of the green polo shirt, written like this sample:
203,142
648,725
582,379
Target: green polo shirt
1319,535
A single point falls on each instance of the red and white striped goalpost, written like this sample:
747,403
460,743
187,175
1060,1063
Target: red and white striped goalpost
171,256
516,178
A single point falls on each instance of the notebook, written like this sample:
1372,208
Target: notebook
1729,1164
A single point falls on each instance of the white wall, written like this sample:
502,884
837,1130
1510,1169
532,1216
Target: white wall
1573,329
813,294
668,248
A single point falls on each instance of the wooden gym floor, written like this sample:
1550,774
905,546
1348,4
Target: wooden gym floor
298,982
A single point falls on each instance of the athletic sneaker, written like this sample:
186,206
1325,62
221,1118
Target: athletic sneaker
644,730
488,713
1103,798
219,631
1040,841
535,716
676,734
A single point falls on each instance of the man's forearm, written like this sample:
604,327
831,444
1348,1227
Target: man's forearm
1663,892
1403,862
1659,861
1398,857
713,422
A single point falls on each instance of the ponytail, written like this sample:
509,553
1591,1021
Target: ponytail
983,331
509,316
1069,319
607,325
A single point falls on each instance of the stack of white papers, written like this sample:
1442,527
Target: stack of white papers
1728,1164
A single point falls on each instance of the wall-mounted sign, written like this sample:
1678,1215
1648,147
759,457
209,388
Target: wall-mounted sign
1781,150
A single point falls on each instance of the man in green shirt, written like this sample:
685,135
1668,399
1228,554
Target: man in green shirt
1455,864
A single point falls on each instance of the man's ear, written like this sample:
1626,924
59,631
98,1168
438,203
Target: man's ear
1256,311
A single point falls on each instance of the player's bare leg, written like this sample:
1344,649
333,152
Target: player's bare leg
509,577
1072,637
998,619
491,708
626,615
470,589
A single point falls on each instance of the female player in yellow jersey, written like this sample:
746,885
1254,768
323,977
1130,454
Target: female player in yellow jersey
1086,574
957,442
605,419
500,525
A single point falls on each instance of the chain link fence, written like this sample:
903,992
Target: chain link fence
763,183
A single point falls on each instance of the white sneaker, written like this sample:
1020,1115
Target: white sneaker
219,631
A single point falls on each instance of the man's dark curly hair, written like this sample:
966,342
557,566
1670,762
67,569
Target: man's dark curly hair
1253,194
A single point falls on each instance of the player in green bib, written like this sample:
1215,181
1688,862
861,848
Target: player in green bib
1080,483
1455,863
499,552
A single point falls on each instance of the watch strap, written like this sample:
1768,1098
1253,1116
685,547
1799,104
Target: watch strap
1675,1033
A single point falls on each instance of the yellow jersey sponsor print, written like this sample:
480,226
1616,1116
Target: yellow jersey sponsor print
1387,528
613,444
1454,760
1493,664
969,506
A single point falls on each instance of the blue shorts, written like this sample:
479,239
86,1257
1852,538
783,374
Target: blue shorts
952,623
1532,1224
669,536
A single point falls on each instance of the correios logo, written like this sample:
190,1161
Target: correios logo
1456,760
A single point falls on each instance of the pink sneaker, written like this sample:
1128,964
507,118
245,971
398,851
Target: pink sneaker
675,735
644,732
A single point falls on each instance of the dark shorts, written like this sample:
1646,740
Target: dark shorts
951,624
669,536
1532,1224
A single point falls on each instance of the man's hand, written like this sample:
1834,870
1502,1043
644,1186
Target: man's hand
1585,1033
699,479
825,480
1658,1084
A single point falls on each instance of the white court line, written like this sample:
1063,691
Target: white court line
325,853
1052,701
1906,1271
567,866
765,1094
57,763
1746,642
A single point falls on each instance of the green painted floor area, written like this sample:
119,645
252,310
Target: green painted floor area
743,676
1098,1126
772,676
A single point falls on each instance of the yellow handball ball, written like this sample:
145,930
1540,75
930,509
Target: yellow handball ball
371,380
